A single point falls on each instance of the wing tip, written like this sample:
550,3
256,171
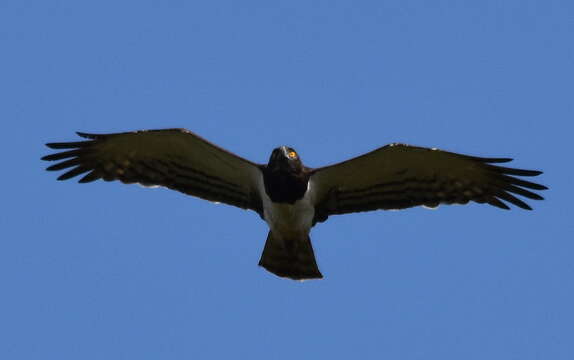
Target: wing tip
490,160
525,206
88,135
499,204
52,145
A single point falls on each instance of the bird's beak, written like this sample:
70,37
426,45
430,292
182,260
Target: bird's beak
279,159
284,152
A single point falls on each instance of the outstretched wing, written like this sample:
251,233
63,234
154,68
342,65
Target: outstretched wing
399,176
174,158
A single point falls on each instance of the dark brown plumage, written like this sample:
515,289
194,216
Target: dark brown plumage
290,197
285,179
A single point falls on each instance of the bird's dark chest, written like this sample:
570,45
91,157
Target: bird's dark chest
284,186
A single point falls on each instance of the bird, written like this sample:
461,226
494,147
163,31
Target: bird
290,197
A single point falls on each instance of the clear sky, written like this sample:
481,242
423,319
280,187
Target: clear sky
111,271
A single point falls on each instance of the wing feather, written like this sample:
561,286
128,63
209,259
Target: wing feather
399,176
173,158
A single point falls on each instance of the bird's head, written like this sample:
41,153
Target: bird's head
285,158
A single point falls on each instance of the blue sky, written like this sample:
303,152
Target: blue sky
110,271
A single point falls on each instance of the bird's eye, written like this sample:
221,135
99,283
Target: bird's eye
292,154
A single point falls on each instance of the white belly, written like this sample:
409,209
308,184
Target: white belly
289,220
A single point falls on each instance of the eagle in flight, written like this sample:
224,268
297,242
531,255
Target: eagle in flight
286,194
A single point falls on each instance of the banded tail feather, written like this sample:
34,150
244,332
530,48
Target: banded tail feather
290,258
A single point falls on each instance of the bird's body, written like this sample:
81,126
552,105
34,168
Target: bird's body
288,251
289,210
290,197
289,220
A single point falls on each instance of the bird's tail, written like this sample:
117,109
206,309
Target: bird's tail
292,258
